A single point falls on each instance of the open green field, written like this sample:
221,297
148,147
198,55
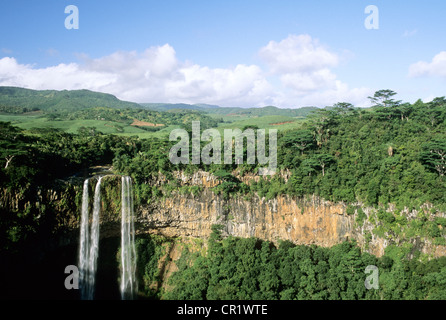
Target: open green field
37,120
281,123
72,126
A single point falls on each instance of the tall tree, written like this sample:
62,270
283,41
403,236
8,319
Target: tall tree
434,155
302,140
383,98
324,160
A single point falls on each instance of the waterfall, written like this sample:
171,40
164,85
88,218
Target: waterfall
128,252
89,241
84,243
88,252
94,240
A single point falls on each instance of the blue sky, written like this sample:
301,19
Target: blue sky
232,53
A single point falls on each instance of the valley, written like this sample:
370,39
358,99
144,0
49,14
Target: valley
353,188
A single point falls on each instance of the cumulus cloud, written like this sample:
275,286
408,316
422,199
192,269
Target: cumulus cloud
304,67
302,64
62,76
437,67
297,54
340,92
153,75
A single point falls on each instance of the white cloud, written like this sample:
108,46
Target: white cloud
303,66
297,54
62,76
305,82
437,67
154,75
340,92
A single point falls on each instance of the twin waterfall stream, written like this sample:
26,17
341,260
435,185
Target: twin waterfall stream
89,241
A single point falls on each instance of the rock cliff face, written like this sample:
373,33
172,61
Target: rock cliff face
283,218
301,221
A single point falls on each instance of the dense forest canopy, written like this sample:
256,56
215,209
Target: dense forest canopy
245,269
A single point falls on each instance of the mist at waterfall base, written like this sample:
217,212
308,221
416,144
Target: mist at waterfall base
90,287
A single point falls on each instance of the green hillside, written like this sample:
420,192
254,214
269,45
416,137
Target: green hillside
181,106
53,100
232,111
73,111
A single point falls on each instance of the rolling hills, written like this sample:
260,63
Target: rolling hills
73,110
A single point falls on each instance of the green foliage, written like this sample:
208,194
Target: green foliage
393,153
16,109
350,210
238,112
382,98
53,100
434,155
237,268
75,109
228,183
149,250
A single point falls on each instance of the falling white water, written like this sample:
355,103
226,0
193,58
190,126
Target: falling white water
88,252
128,252
94,241
89,241
84,247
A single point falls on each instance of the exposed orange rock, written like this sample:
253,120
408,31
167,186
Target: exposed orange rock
280,123
319,222
139,123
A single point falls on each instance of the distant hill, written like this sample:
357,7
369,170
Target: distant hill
16,100
73,109
178,106
213,109
65,100
265,111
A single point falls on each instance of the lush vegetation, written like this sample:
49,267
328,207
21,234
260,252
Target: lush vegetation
236,268
248,112
388,154
73,110
55,101
393,154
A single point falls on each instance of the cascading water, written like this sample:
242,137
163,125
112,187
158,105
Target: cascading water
84,243
94,240
89,241
128,252
88,252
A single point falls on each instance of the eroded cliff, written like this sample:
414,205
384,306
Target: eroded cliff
307,221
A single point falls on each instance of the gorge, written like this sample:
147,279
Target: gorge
103,243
